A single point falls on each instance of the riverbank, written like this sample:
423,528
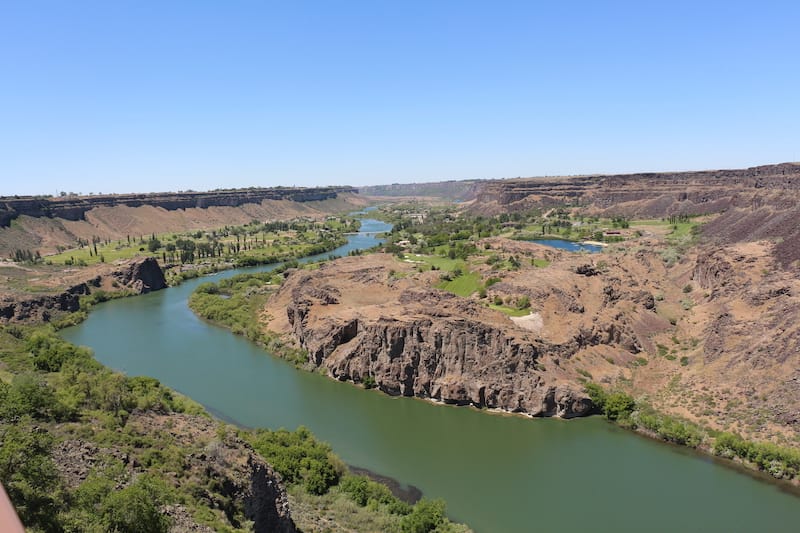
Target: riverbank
156,431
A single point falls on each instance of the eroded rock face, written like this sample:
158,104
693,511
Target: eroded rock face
142,275
422,342
244,484
41,308
711,271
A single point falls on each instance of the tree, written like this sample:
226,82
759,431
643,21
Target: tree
153,245
136,508
29,475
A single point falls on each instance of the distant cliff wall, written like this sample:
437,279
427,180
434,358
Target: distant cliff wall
74,208
649,194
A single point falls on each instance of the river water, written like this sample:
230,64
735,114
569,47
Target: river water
496,473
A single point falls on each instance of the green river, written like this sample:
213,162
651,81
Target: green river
496,473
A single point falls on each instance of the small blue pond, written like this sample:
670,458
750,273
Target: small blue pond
570,246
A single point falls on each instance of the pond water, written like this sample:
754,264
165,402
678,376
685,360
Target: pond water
570,246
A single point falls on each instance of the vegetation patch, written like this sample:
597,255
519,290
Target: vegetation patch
464,284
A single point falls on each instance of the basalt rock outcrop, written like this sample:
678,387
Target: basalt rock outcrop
41,308
138,275
143,275
362,325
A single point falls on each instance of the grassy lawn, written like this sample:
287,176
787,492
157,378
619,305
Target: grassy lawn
110,253
442,263
649,222
463,285
540,263
256,245
510,311
682,230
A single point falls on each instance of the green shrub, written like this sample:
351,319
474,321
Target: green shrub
426,516
29,475
597,395
137,507
299,458
618,406
28,395
364,491
778,461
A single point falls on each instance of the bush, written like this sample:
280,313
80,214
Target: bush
136,508
426,516
50,351
364,491
615,406
778,461
597,395
299,458
28,395
618,406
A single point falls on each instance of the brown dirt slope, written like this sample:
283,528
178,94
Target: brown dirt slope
44,234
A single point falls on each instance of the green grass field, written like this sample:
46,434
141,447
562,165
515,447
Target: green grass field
282,243
442,263
463,285
510,311
682,230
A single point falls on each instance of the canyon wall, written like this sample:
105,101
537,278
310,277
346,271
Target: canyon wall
649,194
75,208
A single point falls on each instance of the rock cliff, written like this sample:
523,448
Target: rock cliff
142,275
138,275
41,308
75,208
361,324
650,194
712,338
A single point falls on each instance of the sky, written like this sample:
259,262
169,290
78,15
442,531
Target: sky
136,96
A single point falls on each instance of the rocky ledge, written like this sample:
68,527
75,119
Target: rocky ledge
362,324
138,276
75,207
243,481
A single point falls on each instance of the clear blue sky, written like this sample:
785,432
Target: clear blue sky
120,96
